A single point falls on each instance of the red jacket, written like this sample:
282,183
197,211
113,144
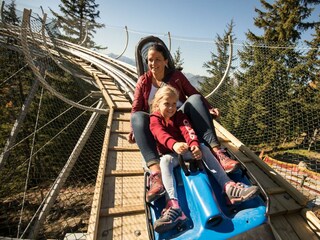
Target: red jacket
178,129
176,80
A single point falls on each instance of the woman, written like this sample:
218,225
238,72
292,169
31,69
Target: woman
191,102
174,135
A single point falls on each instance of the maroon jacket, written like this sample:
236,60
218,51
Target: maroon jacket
178,129
177,80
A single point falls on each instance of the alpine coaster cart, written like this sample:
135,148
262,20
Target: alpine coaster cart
201,198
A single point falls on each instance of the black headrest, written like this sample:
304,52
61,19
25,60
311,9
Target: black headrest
142,53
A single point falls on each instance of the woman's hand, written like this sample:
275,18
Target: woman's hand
196,152
130,138
180,147
214,112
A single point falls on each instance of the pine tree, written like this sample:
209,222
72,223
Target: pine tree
79,19
9,14
312,59
306,94
216,68
178,61
10,17
268,73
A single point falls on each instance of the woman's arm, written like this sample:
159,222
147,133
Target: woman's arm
186,88
138,100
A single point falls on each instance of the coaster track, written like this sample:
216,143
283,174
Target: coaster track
117,210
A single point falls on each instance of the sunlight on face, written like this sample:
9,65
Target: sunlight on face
156,61
168,106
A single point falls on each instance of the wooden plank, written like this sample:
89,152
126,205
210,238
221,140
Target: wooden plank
104,92
121,100
110,87
264,231
262,178
123,228
120,141
122,119
115,92
121,173
275,190
276,208
121,126
123,106
120,131
123,161
104,76
127,210
123,191
116,148
236,152
312,220
282,228
288,202
301,227
106,81
222,138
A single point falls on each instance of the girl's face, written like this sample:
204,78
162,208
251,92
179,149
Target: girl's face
168,106
156,62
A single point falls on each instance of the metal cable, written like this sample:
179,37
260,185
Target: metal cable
25,48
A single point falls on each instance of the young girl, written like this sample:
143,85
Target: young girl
174,135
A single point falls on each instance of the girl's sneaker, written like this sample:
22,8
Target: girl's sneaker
239,192
170,218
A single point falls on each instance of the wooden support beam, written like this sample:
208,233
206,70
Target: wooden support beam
122,119
124,148
118,211
125,173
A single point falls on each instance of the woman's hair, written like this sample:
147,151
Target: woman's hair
159,48
165,91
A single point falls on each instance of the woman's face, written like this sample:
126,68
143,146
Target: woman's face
156,62
168,106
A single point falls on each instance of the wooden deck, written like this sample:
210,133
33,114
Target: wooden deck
118,207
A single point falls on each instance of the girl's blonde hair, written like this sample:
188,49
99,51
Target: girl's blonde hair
165,91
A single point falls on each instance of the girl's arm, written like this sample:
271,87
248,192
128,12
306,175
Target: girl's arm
159,132
186,129
180,147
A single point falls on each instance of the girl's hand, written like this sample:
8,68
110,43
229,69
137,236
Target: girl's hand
180,147
130,138
196,152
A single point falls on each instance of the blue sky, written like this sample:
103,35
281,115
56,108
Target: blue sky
193,24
